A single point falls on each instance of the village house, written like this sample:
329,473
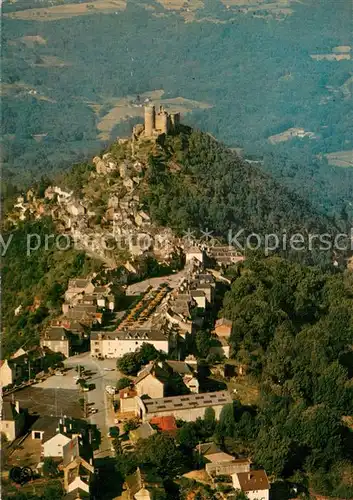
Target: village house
12,420
223,327
188,407
78,476
194,253
10,372
45,428
253,483
224,466
23,364
127,401
57,339
186,371
156,379
220,347
116,344
165,424
225,255
77,286
151,381
142,485
75,208
58,440
144,431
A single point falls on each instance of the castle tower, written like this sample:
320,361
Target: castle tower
150,120
164,122
175,121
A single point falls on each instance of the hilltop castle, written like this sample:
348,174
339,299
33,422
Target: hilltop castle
161,122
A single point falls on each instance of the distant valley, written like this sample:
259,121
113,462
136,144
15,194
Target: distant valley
73,73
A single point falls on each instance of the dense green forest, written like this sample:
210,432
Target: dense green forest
216,190
256,73
292,328
35,280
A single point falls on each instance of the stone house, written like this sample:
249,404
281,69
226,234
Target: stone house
221,465
127,400
223,327
194,253
77,286
12,420
57,339
142,485
76,208
151,381
144,431
78,476
253,483
186,371
10,372
57,438
55,446
200,298
220,347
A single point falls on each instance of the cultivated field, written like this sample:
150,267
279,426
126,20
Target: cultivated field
32,40
20,89
330,57
180,4
51,62
341,158
69,10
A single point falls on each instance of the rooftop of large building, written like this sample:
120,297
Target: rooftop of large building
208,399
253,481
129,335
56,333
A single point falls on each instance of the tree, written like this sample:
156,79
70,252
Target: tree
128,364
226,425
272,449
49,467
147,353
122,383
203,343
161,452
131,424
187,435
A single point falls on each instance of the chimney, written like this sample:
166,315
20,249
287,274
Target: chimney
17,406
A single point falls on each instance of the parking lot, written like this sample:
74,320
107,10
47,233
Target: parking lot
59,395
55,400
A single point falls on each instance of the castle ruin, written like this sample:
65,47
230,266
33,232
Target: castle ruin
161,122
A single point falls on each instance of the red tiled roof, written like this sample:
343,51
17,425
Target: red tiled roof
165,424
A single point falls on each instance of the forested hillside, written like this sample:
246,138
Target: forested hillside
292,330
62,78
35,281
214,189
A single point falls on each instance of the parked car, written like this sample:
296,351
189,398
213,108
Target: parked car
92,411
106,369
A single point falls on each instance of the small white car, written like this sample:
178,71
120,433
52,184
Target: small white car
106,369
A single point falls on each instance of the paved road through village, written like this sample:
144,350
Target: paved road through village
98,397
